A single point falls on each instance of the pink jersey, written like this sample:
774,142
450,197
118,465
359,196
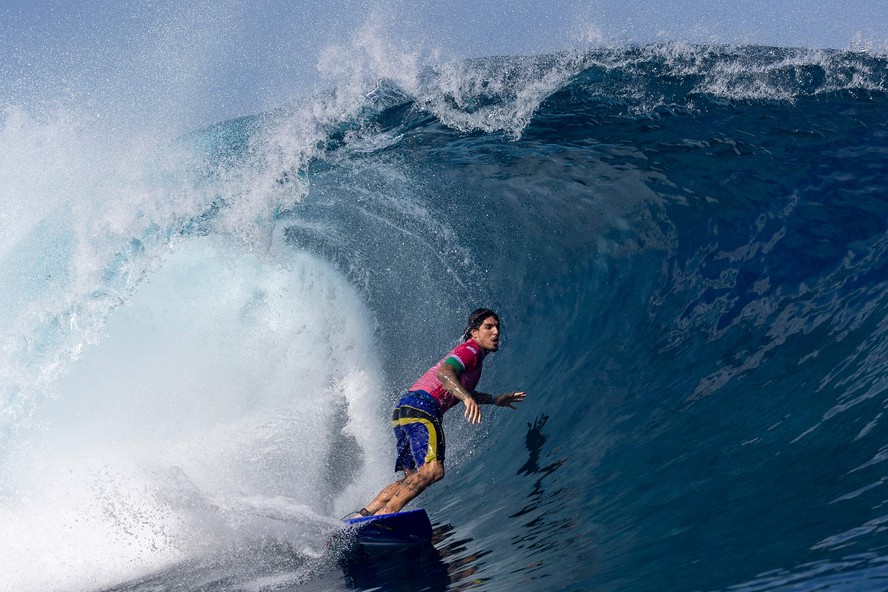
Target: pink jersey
467,358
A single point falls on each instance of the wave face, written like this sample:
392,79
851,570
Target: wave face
202,338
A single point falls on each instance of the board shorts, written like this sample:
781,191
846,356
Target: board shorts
416,422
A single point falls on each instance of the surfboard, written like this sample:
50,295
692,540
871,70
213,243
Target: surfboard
412,527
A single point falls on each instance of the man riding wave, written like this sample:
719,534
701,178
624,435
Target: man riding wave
416,420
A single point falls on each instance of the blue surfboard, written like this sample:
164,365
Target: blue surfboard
403,528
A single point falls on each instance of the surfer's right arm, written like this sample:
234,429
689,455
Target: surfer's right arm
449,378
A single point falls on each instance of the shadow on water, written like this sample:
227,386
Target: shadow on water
443,565
544,513
534,441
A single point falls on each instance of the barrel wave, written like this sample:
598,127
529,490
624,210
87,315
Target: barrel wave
688,248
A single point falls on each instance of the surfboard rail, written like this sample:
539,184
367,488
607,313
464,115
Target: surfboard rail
412,527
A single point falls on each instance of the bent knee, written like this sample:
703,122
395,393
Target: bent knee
432,471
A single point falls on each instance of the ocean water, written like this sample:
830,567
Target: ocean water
202,335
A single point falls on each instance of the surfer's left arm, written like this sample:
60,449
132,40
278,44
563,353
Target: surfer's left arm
504,400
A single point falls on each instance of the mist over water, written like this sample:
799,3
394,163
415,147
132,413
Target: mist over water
220,387
203,323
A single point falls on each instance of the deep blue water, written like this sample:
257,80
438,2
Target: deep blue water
687,246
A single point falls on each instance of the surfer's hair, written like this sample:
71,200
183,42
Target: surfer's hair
476,319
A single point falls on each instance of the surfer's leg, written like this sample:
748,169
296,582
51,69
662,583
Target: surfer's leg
386,494
403,462
411,486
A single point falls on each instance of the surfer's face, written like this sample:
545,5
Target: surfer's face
487,335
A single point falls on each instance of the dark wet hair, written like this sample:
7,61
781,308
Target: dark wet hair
476,319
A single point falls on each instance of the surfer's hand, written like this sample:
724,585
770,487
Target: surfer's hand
509,399
473,410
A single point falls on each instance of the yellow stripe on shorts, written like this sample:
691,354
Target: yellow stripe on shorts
432,453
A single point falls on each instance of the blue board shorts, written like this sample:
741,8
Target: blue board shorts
416,422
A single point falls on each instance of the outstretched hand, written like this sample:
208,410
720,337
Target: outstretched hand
473,410
509,399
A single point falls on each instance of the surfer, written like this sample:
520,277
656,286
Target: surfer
417,418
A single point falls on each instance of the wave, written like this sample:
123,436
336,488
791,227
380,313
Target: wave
202,336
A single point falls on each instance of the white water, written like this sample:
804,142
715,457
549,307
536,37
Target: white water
205,417
164,396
